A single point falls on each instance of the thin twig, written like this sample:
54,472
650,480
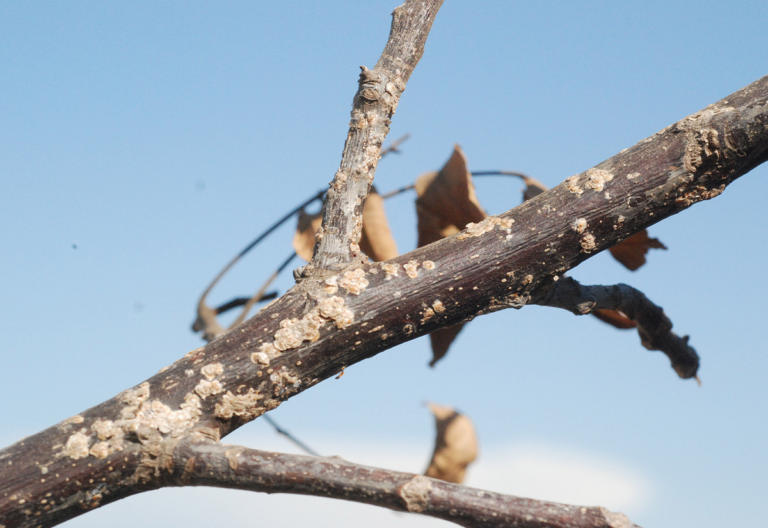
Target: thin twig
653,325
500,173
397,191
259,238
394,147
236,467
377,97
290,437
260,294
474,173
240,301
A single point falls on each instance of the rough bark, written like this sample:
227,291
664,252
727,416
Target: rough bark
129,443
227,466
653,325
372,109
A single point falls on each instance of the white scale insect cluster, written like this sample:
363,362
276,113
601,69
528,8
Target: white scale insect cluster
292,333
480,228
209,386
412,269
139,412
597,178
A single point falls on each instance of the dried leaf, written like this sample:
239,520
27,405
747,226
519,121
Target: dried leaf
631,251
206,321
455,445
533,187
377,241
304,238
441,339
447,201
614,318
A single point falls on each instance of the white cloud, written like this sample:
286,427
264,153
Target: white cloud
558,474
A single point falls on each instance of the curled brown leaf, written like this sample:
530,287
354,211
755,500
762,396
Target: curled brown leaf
441,339
455,445
377,241
631,251
446,200
304,237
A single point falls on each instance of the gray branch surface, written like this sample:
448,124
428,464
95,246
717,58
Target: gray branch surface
379,92
131,443
236,467
653,325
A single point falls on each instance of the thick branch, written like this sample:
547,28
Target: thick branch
126,445
653,325
372,109
235,467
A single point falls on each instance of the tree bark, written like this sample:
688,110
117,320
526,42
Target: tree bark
235,467
351,310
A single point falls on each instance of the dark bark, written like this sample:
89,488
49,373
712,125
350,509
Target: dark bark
226,466
653,325
329,321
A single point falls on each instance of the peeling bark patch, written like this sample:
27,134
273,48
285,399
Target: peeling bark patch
354,281
415,493
698,193
243,405
597,179
703,142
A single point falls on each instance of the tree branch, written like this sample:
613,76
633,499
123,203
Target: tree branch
653,325
126,444
372,108
235,467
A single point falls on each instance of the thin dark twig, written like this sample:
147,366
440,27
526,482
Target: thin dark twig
500,173
398,191
260,294
476,173
240,301
258,239
290,437
394,147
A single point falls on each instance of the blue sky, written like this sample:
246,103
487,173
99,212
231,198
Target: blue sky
144,144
